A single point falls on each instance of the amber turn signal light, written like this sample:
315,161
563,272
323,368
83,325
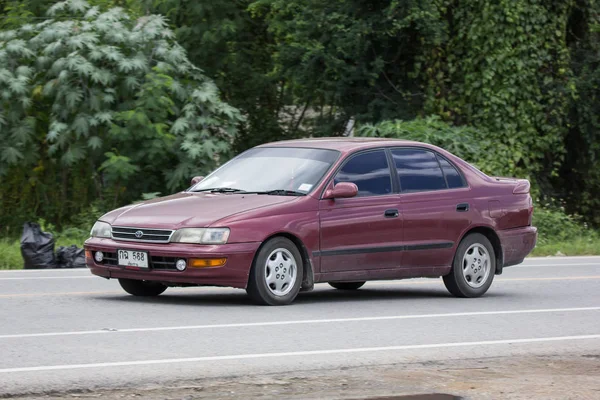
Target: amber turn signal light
207,262
88,255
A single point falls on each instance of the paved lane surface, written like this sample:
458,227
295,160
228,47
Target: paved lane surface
65,330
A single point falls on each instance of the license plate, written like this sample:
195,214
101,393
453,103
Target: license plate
129,258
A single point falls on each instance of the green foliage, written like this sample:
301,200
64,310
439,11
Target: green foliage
554,225
524,72
504,68
350,58
10,254
99,105
96,102
579,178
234,48
560,233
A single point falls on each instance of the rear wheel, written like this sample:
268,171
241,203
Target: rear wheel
473,268
346,285
276,275
142,288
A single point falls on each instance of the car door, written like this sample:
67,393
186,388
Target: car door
363,232
434,205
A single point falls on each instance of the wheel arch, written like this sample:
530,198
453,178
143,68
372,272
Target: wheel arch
307,269
492,236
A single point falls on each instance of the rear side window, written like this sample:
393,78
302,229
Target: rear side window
418,170
453,177
369,171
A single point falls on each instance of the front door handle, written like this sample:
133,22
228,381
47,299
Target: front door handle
392,213
462,207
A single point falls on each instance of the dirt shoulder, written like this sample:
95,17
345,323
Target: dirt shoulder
522,377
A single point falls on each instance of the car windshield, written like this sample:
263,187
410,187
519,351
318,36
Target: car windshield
271,170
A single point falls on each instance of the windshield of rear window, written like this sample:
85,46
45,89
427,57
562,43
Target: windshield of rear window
272,168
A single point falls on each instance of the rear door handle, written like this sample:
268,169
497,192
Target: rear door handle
392,213
462,207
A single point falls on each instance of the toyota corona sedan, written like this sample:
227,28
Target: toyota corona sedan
283,216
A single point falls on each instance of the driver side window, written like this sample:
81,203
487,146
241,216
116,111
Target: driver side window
369,171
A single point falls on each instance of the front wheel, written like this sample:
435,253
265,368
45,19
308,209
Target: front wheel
346,285
142,288
276,275
473,268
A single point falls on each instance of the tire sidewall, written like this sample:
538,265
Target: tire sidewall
461,282
258,285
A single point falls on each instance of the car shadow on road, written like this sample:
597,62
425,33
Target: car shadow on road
229,298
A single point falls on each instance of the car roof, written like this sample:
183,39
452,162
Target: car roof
345,144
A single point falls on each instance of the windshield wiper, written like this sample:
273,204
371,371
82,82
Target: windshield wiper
221,190
282,192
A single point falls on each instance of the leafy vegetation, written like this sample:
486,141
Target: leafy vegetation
98,105
104,101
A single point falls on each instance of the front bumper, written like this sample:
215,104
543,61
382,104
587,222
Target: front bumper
234,273
517,244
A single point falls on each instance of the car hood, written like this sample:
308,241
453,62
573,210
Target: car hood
189,210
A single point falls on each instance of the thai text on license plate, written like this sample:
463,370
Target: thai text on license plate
130,258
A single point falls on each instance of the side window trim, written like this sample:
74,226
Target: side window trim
458,171
437,158
396,185
349,158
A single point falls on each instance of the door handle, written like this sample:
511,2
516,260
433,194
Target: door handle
462,207
392,213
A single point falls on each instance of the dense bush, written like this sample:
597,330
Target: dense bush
99,105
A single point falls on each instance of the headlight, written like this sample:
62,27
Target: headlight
101,230
201,235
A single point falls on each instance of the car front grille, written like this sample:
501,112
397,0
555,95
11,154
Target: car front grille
156,262
164,263
110,259
141,234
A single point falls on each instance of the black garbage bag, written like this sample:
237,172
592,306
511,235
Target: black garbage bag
37,247
70,257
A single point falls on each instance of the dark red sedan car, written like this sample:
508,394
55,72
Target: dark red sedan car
283,216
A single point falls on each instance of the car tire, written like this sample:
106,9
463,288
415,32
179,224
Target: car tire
276,274
473,268
346,285
142,288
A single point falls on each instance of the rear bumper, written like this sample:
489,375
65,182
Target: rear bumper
517,244
234,273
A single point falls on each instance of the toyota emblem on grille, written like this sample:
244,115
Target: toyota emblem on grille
139,234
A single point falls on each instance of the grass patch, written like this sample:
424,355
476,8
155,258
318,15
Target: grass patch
575,247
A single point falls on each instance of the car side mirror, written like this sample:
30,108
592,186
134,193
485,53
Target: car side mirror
196,179
342,190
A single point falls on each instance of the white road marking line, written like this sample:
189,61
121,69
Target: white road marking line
295,354
561,258
300,322
594,264
31,278
44,270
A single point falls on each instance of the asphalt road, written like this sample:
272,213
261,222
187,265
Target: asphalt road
66,329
